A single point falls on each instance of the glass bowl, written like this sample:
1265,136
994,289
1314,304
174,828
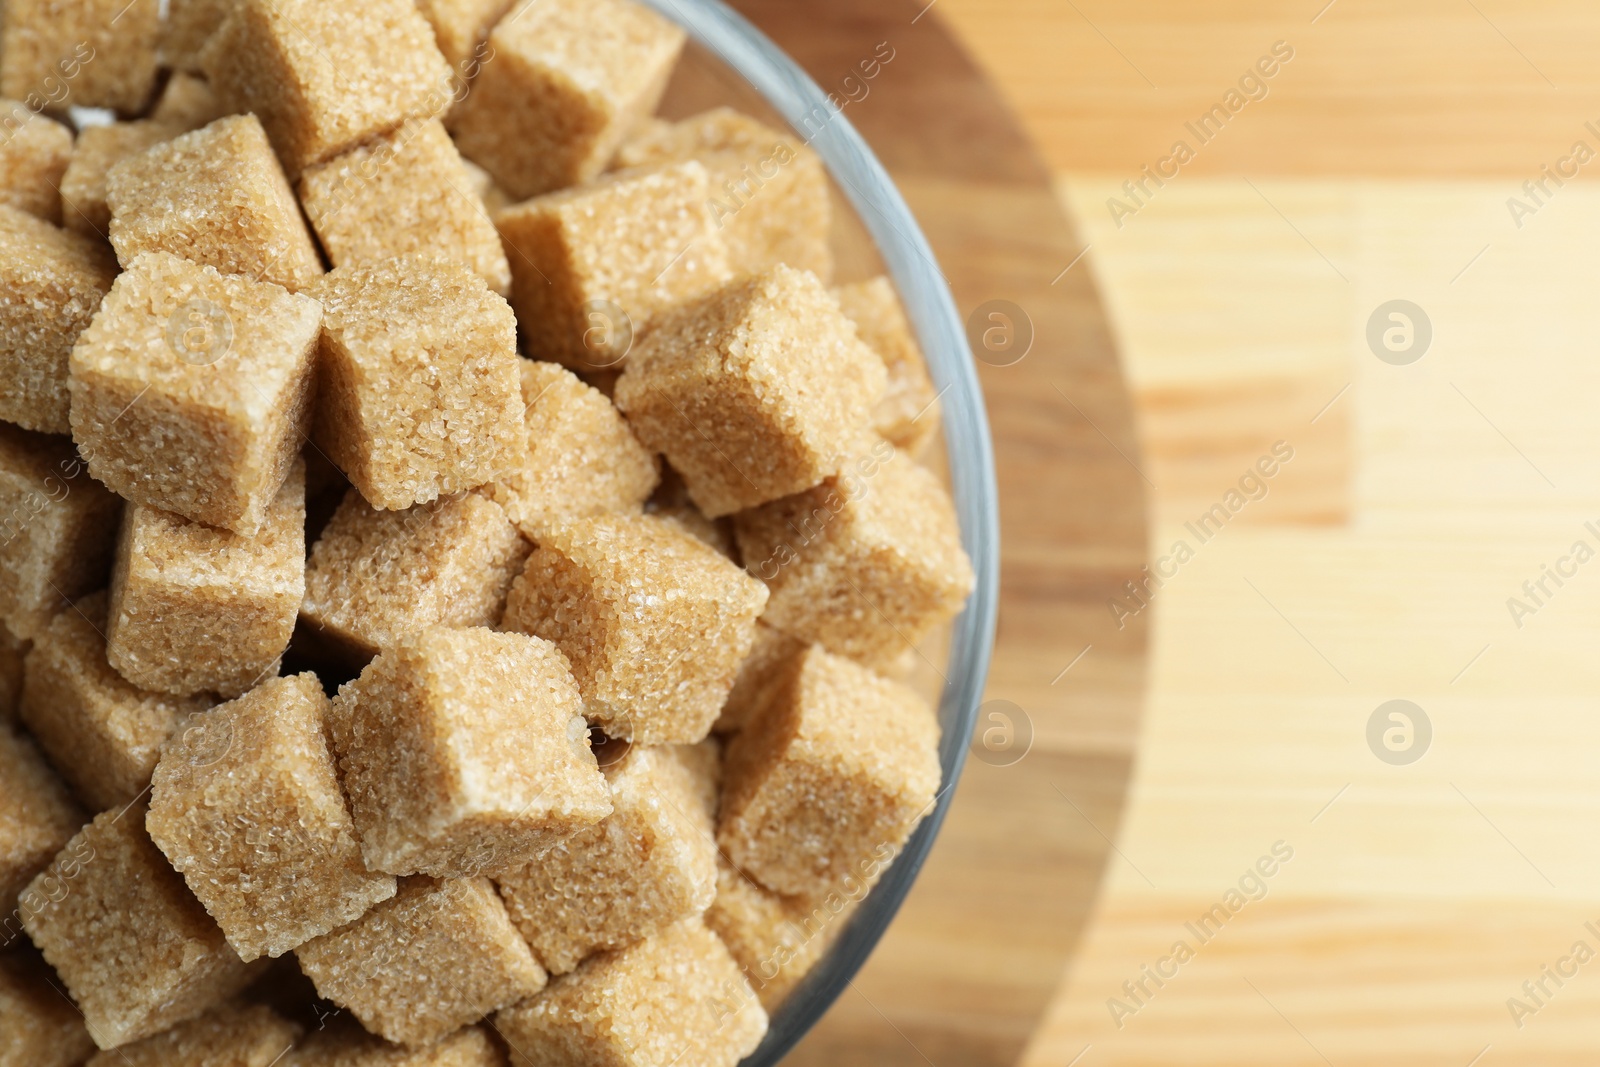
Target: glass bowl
731,62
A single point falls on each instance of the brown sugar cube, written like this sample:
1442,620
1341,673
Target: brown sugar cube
192,391
832,774
215,196
654,621
460,28
12,651
57,527
418,389
678,997
246,1035
52,282
86,53
776,940
134,948
246,804
99,148
439,956
866,564
42,1028
376,577
594,266
404,192
103,735
198,609
770,650
37,819
465,752
579,457
325,77
753,393
567,82
908,414
650,863
345,1044
768,191
187,101
188,26
34,154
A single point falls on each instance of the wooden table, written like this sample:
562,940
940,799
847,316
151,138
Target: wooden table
1421,898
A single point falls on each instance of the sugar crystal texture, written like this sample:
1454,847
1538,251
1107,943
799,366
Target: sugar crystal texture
768,192
188,101
57,527
866,564
13,650
99,148
246,805
770,650
325,77
908,414
776,940
595,266
578,457
188,26
51,281
654,621
377,577
103,735
195,608
678,997
753,393
192,391
460,28
342,1043
435,958
825,784
465,751
37,818
407,191
34,153
418,392
134,948
567,82
42,1028
650,863
215,196
234,1035
84,53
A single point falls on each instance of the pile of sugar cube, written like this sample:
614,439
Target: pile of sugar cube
458,574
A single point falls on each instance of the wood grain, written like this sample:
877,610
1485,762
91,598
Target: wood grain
1430,88
1421,897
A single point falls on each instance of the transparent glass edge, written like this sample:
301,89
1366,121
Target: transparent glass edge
931,309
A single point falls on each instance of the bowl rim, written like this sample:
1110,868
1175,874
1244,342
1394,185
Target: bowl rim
931,309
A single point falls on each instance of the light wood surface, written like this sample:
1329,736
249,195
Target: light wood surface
1025,845
1424,88
1420,898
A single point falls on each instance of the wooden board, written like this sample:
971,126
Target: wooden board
965,974
1428,88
